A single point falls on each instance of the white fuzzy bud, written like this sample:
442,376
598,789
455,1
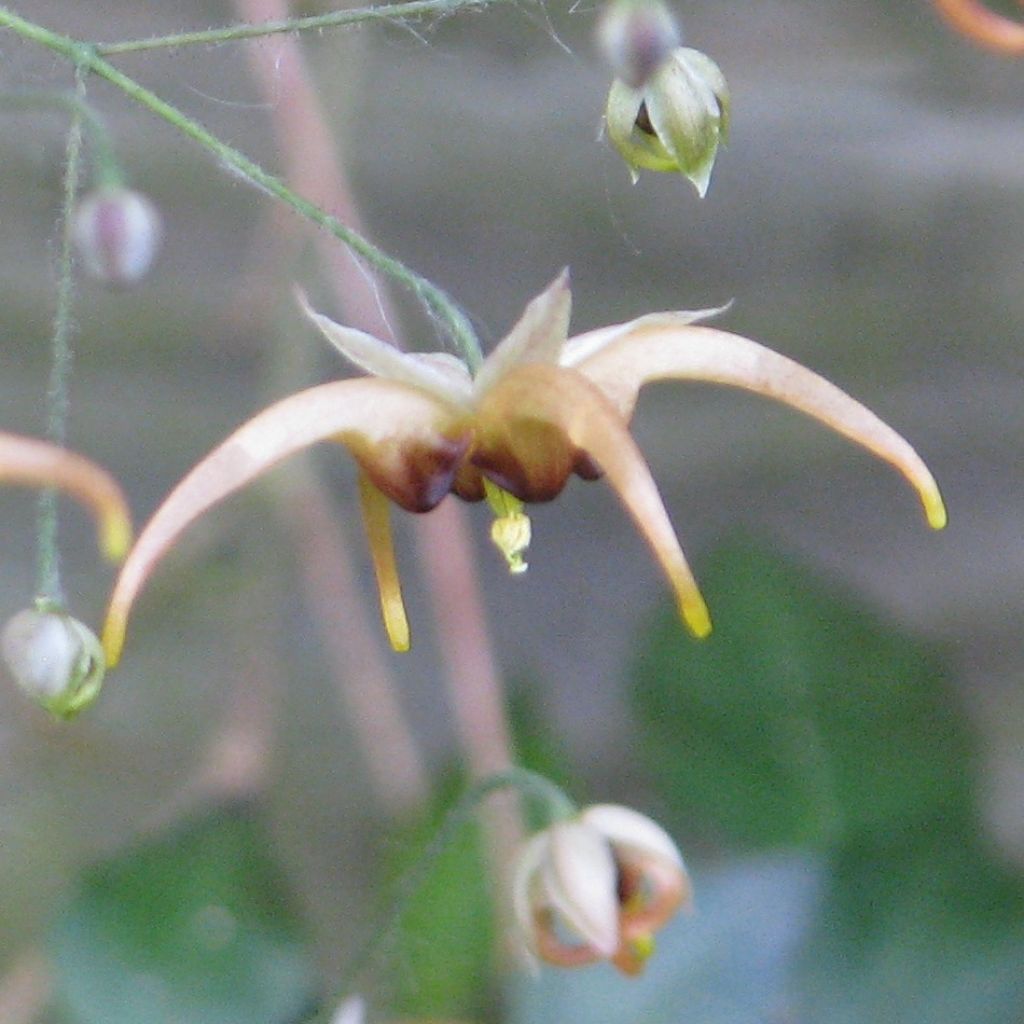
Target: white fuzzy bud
636,36
55,659
118,234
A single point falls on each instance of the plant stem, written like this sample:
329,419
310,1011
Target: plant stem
48,583
434,299
555,802
108,170
333,19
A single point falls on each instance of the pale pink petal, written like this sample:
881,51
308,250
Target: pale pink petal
538,336
583,346
376,412
622,826
383,360
580,884
26,461
658,351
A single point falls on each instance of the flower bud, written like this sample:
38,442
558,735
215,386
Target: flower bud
636,36
55,659
597,887
118,234
674,122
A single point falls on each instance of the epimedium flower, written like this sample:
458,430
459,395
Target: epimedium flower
541,408
597,887
675,120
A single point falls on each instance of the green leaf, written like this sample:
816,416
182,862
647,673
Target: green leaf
802,720
192,928
440,962
806,721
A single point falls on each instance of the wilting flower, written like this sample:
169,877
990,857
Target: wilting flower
541,407
55,659
675,121
26,461
597,887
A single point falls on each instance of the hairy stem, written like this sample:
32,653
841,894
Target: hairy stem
333,19
86,57
48,583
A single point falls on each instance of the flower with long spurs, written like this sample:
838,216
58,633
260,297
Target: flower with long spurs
541,407
597,887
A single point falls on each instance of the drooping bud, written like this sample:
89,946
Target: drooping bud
636,37
55,659
118,234
676,121
597,887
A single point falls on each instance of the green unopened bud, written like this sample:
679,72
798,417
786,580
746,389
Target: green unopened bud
118,234
636,36
676,121
55,659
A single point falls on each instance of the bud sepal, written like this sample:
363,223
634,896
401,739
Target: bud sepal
55,659
676,121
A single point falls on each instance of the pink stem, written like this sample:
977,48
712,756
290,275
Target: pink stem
445,545
370,694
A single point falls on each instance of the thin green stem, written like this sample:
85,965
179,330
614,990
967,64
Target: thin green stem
551,799
108,170
433,298
333,19
58,388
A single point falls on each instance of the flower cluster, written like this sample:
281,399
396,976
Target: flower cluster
542,407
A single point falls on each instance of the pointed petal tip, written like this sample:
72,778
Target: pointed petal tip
115,537
397,627
934,507
694,613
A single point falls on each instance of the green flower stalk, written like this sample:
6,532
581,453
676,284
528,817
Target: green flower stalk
675,121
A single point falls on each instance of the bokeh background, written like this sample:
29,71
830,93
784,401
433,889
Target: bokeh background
865,218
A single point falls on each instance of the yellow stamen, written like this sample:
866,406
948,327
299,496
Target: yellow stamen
510,530
377,520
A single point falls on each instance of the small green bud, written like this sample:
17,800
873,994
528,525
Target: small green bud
55,659
636,36
676,121
117,233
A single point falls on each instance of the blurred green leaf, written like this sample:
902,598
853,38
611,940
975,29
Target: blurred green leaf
805,721
192,928
802,719
440,963
443,961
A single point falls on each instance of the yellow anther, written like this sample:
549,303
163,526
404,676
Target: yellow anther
510,530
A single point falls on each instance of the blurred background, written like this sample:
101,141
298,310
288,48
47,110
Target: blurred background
866,218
